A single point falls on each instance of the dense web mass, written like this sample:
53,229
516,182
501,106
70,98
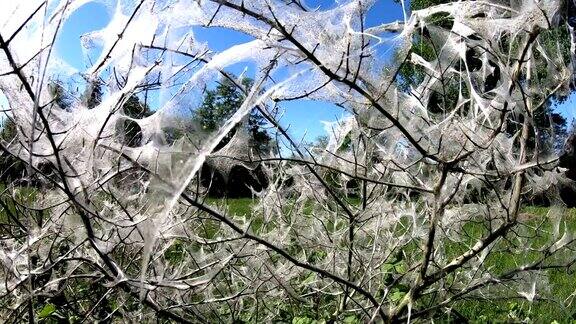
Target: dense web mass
376,222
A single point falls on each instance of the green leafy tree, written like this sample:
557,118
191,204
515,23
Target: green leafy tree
12,168
61,97
549,126
131,131
219,104
133,107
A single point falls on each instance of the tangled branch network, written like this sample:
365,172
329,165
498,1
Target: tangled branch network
395,218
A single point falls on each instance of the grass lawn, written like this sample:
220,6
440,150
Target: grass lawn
238,206
562,282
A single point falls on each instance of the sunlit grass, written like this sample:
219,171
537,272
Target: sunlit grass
548,306
479,310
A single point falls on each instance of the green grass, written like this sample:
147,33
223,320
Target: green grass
11,210
237,207
562,282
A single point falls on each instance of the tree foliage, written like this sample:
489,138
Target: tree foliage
549,127
218,106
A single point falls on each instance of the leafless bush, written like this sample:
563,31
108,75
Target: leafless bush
394,219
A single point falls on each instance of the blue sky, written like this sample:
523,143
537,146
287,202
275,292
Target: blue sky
568,108
304,116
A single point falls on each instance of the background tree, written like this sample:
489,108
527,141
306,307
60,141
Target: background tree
220,103
549,127
12,168
135,108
